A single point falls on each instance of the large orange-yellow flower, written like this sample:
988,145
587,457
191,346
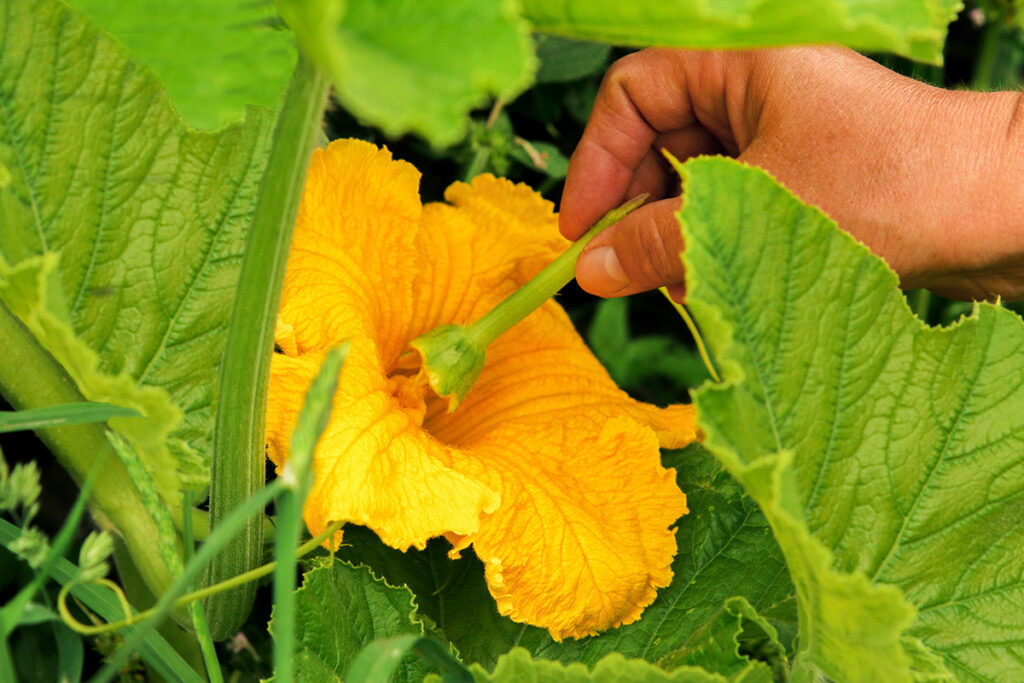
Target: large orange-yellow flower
547,469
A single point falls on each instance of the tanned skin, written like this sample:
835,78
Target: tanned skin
931,180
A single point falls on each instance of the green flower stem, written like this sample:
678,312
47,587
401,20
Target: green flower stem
697,338
30,378
985,64
239,433
545,284
453,355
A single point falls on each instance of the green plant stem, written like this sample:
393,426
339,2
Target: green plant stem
483,153
697,338
206,646
239,432
30,378
922,304
545,284
133,595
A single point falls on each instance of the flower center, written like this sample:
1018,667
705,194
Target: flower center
410,394
407,384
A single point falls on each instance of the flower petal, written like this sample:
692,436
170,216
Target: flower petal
542,369
583,537
354,251
374,464
493,237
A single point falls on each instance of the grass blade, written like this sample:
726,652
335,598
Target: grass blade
60,415
298,475
219,537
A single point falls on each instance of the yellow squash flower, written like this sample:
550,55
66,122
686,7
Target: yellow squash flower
547,469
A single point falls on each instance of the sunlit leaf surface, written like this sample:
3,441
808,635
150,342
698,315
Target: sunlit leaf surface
914,28
416,66
148,219
888,456
214,57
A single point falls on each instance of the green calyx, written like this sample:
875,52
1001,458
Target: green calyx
453,355
452,359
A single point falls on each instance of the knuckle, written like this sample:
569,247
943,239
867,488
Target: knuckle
649,250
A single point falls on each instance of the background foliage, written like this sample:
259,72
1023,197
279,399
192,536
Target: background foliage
88,136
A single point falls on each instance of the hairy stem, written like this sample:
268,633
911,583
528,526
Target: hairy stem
31,378
239,433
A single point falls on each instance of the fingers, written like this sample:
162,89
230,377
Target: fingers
640,252
644,104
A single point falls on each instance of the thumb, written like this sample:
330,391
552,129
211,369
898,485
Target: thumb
640,252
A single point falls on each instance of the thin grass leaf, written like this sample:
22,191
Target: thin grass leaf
58,416
298,475
70,654
219,537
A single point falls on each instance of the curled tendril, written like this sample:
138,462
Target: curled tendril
92,630
132,618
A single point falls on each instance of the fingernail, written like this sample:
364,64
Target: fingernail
599,269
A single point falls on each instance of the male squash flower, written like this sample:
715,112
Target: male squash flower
547,469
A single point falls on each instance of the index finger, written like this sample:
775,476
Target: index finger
642,96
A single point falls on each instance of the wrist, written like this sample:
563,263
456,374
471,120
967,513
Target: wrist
976,196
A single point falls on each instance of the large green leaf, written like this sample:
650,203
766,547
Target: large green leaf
416,65
718,646
887,456
339,610
148,219
913,28
518,666
725,549
215,57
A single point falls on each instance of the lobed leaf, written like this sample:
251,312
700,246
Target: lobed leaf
914,28
416,66
887,456
717,645
518,666
214,57
149,221
339,610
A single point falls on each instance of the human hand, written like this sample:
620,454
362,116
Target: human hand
927,178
